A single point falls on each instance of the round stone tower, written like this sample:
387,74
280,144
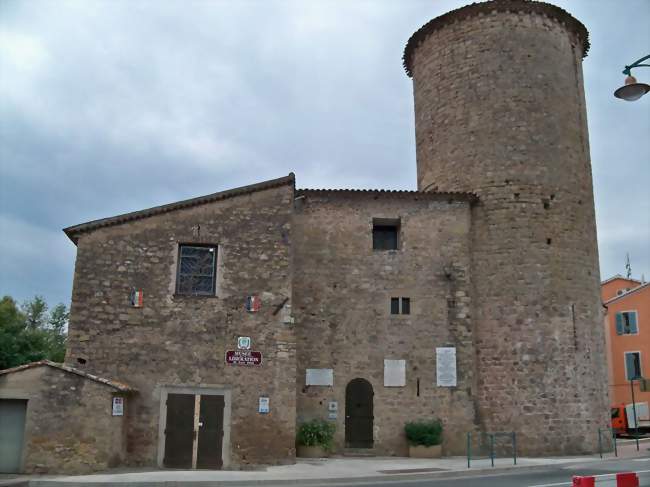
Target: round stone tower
500,111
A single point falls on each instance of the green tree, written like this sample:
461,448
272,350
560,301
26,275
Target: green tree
58,327
35,311
29,333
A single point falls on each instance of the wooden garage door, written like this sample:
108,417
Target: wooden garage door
12,434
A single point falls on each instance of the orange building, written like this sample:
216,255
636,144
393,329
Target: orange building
628,336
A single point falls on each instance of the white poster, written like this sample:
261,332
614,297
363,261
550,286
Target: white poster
118,406
394,373
319,377
264,405
446,366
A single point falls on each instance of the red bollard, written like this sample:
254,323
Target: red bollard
627,479
584,482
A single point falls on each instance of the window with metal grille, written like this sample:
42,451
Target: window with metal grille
385,234
196,270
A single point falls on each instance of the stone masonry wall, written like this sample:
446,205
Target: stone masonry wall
69,427
342,290
181,340
500,111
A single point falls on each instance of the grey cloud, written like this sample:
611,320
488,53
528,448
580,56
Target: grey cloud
108,107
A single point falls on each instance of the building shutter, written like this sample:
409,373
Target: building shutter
619,323
629,365
632,365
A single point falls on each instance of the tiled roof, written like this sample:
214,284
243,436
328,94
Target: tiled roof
618,276
392,193
628,293
551,11
74,231
108,382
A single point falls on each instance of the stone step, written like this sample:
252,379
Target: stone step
359,452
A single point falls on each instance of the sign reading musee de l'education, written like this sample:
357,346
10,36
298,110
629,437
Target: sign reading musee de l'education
243,357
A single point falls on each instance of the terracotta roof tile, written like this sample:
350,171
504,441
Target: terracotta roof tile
111,383
74,231
395,193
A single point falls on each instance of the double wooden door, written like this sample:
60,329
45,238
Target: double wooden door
194,431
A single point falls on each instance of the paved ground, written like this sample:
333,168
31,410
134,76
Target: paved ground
549,476
372,471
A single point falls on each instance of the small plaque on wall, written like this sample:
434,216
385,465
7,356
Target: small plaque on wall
319,377
394,373
264,407
446,366
118,406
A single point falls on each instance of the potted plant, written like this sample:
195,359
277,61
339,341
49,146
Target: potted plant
315,438
424,438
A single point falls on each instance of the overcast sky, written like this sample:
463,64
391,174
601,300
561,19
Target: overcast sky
114,106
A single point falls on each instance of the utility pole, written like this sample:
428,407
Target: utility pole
636,421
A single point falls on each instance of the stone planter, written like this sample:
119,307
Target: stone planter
311,451
421,451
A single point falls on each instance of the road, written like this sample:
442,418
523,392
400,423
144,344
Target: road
555,476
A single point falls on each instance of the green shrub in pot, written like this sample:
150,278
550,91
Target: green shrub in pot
424,438
316,432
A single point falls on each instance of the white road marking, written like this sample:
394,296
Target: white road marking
595,476
641,440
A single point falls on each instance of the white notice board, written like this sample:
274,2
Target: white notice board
319,377
394,373
446,366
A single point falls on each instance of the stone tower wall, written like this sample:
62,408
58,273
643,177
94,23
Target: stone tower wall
500,111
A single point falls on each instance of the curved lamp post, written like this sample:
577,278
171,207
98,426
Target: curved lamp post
632,90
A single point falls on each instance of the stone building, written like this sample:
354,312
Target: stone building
474,299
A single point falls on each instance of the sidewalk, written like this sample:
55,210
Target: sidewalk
375,469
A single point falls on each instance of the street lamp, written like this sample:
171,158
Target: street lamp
632,90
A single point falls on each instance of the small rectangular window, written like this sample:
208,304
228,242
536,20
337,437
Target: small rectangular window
394,306
385,233
400,306
633,365
626,323
406,306
196,270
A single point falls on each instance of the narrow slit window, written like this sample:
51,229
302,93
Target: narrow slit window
394,306
406,306
196,270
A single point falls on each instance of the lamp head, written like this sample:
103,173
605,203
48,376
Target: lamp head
632,90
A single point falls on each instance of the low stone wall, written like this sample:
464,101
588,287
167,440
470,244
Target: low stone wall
69,427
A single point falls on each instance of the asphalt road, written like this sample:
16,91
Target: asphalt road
555,476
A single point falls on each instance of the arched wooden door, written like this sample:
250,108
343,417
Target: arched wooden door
358,414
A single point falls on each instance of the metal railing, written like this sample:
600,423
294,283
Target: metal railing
609,434
487,446
498,444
